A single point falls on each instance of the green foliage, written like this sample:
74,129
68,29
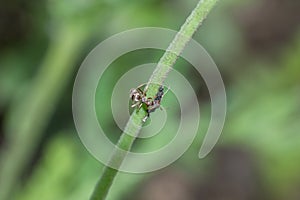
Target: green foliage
263,94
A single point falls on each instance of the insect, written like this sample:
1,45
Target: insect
156,103
139,98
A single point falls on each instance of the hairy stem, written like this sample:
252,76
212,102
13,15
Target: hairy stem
161,71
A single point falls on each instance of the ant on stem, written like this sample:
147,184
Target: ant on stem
139,98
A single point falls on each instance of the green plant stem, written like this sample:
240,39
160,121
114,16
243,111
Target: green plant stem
165,64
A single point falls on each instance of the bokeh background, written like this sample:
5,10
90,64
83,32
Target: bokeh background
256,45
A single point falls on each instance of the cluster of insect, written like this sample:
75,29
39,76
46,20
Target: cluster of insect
139,98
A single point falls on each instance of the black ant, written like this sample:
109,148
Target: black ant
139,98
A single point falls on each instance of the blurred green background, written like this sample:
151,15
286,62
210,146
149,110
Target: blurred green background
256,45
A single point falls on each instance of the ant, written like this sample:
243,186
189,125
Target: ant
139,98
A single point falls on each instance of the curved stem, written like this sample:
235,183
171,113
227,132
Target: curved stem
165,64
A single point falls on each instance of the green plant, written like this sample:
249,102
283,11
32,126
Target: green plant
165,64
33,110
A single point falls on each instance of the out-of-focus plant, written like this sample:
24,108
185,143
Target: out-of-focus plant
263,104
70,28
